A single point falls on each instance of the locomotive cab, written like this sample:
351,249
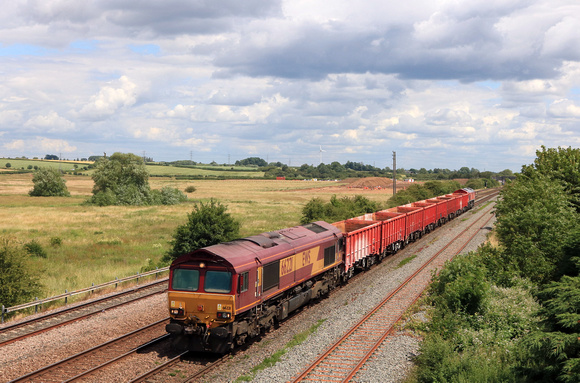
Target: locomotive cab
202,303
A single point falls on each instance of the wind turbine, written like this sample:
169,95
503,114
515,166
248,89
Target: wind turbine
321,153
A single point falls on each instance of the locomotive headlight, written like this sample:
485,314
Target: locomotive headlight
178,312
224,315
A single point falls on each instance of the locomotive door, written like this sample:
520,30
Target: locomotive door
258,279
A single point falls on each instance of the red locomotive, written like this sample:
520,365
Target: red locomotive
221,295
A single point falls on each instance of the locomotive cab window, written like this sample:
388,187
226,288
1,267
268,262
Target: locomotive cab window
243,282
218,281
185,279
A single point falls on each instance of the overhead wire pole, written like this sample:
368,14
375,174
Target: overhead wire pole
394,173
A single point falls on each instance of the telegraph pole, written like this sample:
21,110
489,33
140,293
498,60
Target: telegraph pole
394,173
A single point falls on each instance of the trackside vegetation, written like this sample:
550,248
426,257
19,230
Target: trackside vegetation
511,313
18,282
208,224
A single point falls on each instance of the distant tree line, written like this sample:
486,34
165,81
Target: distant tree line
336,170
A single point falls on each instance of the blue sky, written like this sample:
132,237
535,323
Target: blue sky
445,84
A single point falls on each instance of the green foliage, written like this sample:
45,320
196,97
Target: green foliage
252,161
8,165
553,352
461,287
121,179
561,164
55,241
534,218
475,326
18,284
168,196
417,192
481,183
35,249
337,209
190,189
208,224
48,182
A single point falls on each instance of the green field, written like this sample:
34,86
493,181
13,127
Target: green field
154,170
98,244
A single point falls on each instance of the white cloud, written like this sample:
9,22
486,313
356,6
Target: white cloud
41,144
564,108
50,123
110,99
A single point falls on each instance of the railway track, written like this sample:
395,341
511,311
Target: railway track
90,362
345,358
32,326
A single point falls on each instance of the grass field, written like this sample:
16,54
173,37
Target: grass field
154,170
98,244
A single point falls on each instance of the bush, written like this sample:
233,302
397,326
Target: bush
208,224
121,179
168,196
190,189
48,182
35,249
55,241
17,283
337,209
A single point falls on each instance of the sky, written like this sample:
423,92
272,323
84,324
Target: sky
444,84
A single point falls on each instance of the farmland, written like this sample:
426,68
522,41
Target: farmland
90,244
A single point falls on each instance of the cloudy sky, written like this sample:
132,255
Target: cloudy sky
445,84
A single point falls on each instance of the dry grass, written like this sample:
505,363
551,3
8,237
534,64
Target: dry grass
101,243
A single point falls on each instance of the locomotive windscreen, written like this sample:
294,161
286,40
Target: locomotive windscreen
218,281
185,279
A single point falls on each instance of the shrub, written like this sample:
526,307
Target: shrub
168,196
34,248
190,189
55,241
337,209
17,283
208,224
48,182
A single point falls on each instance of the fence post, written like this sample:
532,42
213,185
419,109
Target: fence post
2,314
116,282
35,306
92,290
65,298
138,277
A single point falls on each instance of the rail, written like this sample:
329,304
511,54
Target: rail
39,302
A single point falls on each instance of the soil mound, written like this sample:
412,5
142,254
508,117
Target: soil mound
371,183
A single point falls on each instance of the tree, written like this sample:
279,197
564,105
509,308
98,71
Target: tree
51,157
17,283
534,218
121,179
48,182
208,224
337,209
561,164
